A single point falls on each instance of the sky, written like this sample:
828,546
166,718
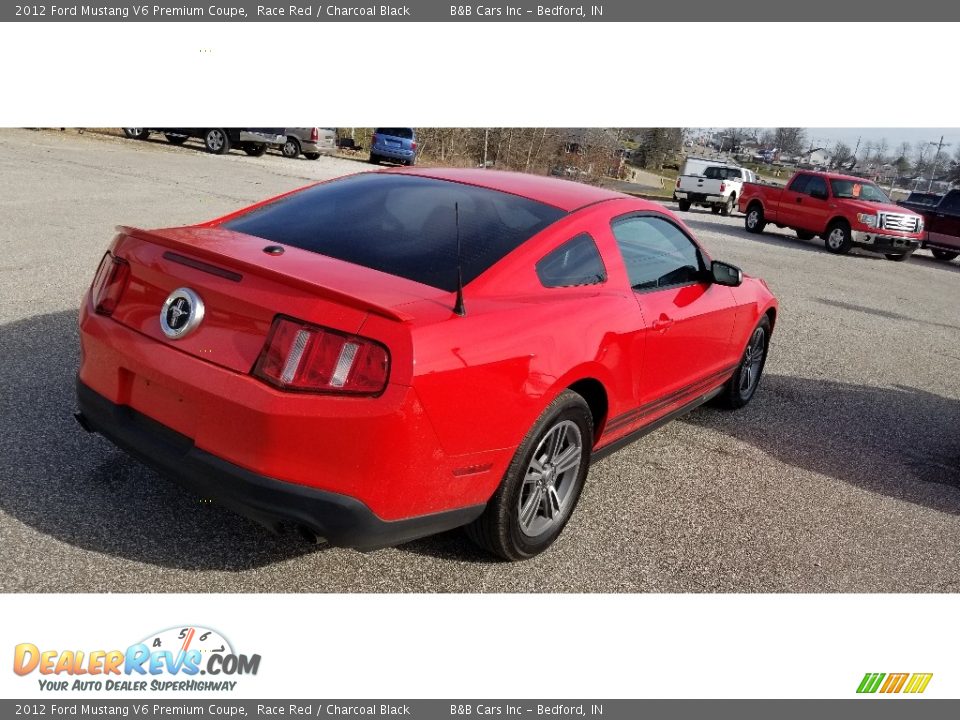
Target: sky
894,136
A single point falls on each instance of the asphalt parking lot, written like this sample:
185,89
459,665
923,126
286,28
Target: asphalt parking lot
842,475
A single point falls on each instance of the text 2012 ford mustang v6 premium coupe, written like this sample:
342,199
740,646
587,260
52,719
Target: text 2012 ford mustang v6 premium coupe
394,354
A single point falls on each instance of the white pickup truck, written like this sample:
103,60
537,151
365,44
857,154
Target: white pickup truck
718,188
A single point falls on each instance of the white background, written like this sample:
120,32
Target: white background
93,74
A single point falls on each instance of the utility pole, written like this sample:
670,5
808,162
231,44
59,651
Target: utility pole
486,141
936,158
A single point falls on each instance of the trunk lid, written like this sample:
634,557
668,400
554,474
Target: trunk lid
243,289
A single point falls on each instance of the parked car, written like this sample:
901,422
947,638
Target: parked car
398,353
312,142
397,145
253,141
941,220
845,211
718,188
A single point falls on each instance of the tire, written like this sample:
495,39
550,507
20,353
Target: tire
255,149
715,209
684,205
136,133
176,139
742,385
804,234
943,255
837,238
753,221
523,518
375,159
291,148
727,208
312,156
216,141
898,257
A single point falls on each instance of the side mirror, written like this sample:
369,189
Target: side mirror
725,274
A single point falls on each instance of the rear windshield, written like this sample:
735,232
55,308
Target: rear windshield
405,133
402,225
721,173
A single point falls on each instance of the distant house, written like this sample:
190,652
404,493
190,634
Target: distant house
816,158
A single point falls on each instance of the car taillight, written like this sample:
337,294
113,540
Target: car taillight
413,145
373,140
678,182
109,283
723,186
308,358
314,134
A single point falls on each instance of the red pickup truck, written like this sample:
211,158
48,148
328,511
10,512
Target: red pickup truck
941,217
845,211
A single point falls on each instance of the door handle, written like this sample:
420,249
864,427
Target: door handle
662,322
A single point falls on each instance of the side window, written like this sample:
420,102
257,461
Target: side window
576,262
950,202
657,253
816,185
799,183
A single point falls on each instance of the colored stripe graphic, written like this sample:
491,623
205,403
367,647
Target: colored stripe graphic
870,682
918,683
894,683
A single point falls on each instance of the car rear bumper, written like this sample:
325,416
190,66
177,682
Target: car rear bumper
308,147
882,243
695,197
394,152
338,519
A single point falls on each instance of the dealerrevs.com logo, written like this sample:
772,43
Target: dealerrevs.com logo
179,659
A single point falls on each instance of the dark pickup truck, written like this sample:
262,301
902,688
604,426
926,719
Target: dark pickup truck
941,222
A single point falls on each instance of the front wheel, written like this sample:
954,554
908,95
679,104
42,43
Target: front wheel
838,240
727,208
684,205
742,385
943,255
542,485
216,141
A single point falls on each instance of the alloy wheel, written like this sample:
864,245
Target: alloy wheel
752,363
547,490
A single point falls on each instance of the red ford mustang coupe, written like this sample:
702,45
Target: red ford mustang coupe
394,354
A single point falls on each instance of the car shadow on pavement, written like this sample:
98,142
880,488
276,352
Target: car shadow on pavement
896,441
78,488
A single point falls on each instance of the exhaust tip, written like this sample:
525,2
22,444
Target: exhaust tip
310,536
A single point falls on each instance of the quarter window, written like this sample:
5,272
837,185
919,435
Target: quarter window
657,253
576,262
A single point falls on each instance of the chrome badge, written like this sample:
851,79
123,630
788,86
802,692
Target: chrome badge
182,312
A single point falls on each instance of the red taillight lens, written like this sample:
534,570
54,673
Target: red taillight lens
109,283
309,358
314,134
723,186
413,146
373,140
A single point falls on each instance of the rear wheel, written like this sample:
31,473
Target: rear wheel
743,384
943,255
898,257
311,156
216,141
542,485
727,208
754,221
684,205
176,139
838,240
291,148
715,209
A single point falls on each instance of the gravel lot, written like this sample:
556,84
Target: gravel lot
842,475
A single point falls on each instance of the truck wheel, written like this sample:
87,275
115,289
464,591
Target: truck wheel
136,133
216,141
804,235
176,139
255,149
754,221
898,257
312,156
838,239
943,255
684,205
542,485
715,209
291,148
727,207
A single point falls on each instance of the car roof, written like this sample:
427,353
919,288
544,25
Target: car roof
836,176
563,194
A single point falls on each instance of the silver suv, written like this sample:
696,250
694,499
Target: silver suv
312,142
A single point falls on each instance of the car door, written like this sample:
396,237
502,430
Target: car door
791,200
688,320
812,208
944,222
